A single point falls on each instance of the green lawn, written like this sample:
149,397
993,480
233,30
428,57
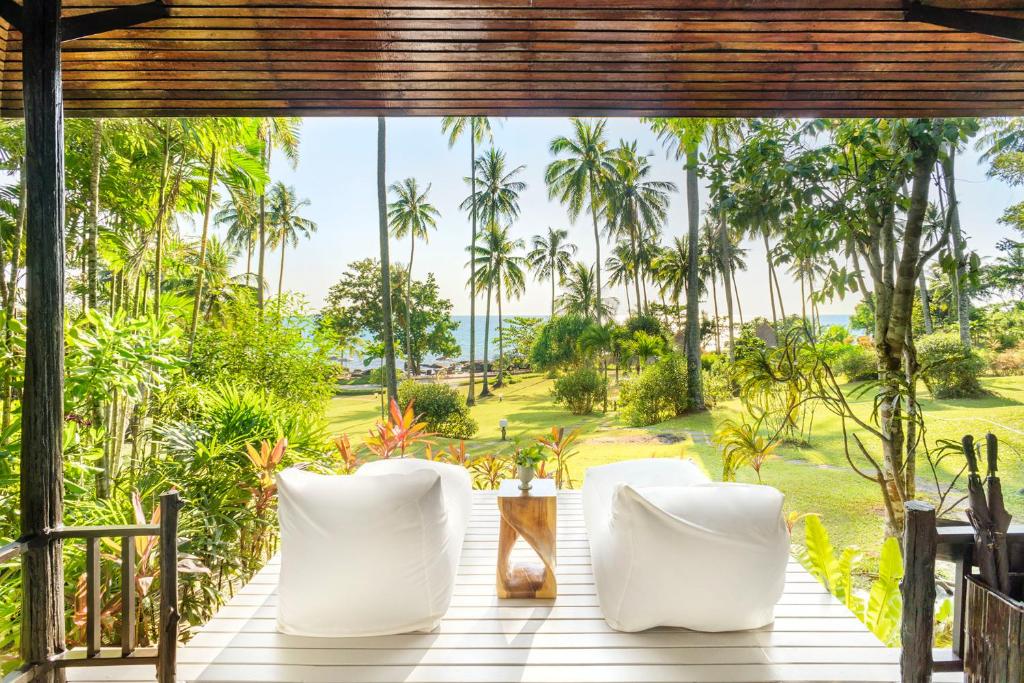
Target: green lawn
815,478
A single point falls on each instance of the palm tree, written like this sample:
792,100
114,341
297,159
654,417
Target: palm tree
498,268
621,266
497,195
600,340
413,216
390,381
286,223
281,133
580,294
479,129
636,206
577,178
240,217
682,137
551,258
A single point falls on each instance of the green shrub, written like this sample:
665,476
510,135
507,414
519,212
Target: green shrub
555,345
442,407
718,383
658,394
1008,362
858,363
579,389
709,360
948,368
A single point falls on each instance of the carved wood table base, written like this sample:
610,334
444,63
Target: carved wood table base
532,516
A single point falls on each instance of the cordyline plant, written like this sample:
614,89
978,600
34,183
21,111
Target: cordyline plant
350,460
562,449
266,460
401,431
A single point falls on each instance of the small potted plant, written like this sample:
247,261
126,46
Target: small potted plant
527,460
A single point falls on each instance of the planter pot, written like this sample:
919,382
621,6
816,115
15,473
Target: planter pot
993,636
525,475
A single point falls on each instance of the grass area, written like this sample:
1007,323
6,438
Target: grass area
815,478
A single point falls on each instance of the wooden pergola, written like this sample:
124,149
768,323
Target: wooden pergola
433,57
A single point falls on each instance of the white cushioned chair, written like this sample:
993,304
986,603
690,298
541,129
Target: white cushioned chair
671,548
370,554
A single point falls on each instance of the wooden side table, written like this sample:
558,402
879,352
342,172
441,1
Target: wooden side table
530,515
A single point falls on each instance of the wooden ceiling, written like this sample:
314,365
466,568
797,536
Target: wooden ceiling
539,57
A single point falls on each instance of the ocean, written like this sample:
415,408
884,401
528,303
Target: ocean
462,335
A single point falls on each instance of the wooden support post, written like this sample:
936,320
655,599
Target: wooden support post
167,648
918,590
127,596
93,610
42,475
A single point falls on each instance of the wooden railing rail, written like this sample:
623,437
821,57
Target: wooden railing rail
923,544
163,656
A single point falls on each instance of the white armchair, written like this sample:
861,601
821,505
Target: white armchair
671,548
371,554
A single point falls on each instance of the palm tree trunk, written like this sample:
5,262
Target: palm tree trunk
774,272
280,272
963,302
725,249
597,244
636,264
629,310
714,298
736,293
471,396
803,299
771,275
926,311
552,290
695,390
500,381
385,264
486,390
261,261
408,307
160,214
94,212
248,256
201,268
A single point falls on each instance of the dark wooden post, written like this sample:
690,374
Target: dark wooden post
42,493
167,647
918,589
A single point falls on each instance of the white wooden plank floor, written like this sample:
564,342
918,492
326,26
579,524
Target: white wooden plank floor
487,640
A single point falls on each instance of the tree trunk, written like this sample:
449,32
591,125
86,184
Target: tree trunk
629,310
714,299
694,388
42,466
200,269
771,275
597,244
926,311
94,213
471,395
636,267
385,264
553,290
963,301
500,381
725,246
736,293
409,366
261,261
161,212
486,390
280,272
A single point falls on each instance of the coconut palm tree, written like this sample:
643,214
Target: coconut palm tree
579,296
280,133
497,194
287,225
479,129
621,266
498,268
390,381
551,258
577,177
682,137
636,206
412,216
240,218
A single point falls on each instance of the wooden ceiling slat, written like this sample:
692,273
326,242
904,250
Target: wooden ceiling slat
709,57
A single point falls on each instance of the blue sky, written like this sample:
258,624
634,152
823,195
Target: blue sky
337,173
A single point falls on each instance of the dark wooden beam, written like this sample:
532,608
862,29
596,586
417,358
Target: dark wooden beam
84,25
918,591
968,21
42,408
12,13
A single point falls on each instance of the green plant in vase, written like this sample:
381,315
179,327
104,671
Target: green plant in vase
527,459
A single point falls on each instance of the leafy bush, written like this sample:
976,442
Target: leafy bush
857,363
719,382
710,359
1008,362
556,342
442,407
658,394
579,389
948,368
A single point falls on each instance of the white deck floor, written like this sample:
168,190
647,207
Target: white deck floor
487,640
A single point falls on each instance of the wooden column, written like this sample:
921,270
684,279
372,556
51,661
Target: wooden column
42,494
918,589
167,647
